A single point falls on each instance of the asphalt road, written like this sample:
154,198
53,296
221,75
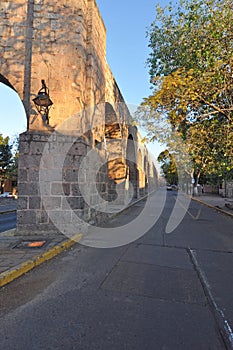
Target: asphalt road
157,293
7,221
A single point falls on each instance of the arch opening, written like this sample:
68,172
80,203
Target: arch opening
13,115
132,164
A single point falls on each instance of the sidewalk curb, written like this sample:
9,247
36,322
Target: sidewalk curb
8,211
213,207
21,269
130,205
223,325
8,233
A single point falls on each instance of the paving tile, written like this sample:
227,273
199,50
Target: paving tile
157,255
156,282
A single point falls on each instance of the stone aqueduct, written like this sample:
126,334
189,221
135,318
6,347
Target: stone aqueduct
64,43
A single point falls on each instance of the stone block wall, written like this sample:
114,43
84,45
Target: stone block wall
64,183
12,42
54,196
31,215
229,189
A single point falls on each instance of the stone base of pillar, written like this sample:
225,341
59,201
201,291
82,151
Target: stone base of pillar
54,198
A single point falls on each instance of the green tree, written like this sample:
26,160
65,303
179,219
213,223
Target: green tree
191,69
5,158
12,169
168,167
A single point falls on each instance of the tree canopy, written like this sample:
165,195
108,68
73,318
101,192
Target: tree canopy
8,162
5,153
168,167
191,71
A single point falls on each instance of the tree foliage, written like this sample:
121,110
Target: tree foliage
191,70
168,167
5,153
12,169
5,158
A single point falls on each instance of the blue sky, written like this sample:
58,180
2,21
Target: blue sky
127,45
126,23
127,51
12,115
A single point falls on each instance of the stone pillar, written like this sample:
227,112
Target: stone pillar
54,197
31,217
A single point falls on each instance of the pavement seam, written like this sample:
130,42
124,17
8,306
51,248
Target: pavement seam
223,325
113,267
19,270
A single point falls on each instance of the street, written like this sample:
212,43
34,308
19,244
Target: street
163,291
7,221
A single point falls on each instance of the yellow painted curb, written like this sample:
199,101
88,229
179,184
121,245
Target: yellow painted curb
19,270
213,207
8,233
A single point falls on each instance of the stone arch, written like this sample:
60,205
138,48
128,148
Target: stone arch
6,82
13,98
145,164
152,175
114,146
141,174
132,164
146,172
139,159
112,126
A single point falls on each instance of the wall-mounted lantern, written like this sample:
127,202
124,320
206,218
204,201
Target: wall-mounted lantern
43,102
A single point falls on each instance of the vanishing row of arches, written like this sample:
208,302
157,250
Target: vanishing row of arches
131,164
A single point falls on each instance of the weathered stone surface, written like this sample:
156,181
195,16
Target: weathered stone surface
34,202
52,202
22,203
75,190
59,189
30,188
22,175
26,216
42,217
33,175
73,203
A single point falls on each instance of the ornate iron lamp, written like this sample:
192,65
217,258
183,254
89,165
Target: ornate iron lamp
43,102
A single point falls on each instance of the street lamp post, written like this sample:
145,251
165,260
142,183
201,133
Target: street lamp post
43,102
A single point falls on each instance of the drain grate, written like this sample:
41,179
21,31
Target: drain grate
31,244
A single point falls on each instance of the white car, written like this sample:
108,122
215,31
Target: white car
7,195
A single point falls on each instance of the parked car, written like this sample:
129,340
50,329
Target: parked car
172,187
7,195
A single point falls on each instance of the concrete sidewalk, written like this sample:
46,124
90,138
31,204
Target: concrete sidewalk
19,254
216,202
